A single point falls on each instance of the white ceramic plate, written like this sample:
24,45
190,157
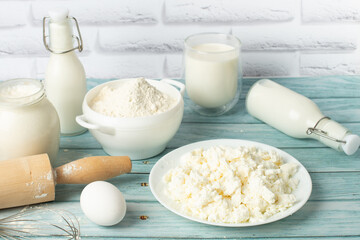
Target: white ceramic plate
172,160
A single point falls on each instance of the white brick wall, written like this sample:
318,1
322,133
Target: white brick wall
229,11
331,11
128,38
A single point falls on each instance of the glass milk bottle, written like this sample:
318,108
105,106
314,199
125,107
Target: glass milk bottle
297,116
212,72
65,81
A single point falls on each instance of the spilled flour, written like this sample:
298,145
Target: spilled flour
69,169
40,196
131,98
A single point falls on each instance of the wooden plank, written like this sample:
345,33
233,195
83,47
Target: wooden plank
316,218
342,106
192,132
314,159
335,186
282,238
335,218
313,87
318,86
325,159
135,188
130,185
340,109
344,110
180,238
333,211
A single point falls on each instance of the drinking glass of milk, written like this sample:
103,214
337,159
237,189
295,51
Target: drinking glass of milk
212,71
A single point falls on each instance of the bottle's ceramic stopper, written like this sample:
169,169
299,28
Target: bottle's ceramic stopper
352,144
58,14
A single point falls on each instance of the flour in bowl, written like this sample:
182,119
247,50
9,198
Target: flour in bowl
132,98
232,185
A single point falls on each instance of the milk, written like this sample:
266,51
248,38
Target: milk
211,74
65,86
65,81
297,116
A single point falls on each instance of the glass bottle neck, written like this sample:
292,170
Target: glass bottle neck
61,36
329,132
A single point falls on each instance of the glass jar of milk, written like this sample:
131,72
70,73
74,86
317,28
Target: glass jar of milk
29,122
213,75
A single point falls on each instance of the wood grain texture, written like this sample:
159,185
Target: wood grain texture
335,218
194,132
333,211
312,87
333,99
134,187
315,160
339,109
316,218
210,238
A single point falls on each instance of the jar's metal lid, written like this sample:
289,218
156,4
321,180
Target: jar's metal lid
20,92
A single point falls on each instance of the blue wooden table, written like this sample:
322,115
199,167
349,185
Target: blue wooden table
332,212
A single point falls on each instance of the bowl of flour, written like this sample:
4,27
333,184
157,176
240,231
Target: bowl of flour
135,117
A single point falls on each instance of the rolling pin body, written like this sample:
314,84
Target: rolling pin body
26,180
31,179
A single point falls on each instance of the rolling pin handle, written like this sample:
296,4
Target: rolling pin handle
90,169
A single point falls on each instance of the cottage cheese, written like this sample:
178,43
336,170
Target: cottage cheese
232,185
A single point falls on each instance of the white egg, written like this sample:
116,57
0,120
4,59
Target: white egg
103,203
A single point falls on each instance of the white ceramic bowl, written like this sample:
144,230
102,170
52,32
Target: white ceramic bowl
140,137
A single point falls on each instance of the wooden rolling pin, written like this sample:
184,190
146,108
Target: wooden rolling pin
31,179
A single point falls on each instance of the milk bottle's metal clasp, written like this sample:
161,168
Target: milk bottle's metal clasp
322,133
77,38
